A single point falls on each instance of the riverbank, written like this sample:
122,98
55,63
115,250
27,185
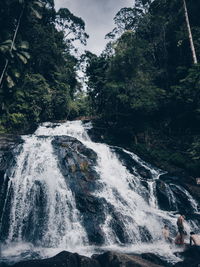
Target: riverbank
107,259
189,257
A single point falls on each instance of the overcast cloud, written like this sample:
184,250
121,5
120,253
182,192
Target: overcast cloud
98,16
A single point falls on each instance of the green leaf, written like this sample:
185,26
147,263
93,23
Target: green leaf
5,46
23,56
38,3
24,45
10,81
36,13
7,42
16,73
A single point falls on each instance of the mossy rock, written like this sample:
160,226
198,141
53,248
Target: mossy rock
84,166
73,168
64,145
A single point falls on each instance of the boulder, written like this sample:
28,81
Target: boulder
9,148
107,259
7,145
63,259
191,257
131,164
77,164
155,259
115,259
164,197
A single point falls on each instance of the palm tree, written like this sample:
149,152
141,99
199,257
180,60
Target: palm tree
29,5
19,52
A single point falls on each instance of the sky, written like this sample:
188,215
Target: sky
98,16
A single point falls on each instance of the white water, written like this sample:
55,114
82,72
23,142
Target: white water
63,228
37,169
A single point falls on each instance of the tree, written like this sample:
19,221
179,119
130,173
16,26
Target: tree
151,58
73,27
12,56
190,33
25,7
40,82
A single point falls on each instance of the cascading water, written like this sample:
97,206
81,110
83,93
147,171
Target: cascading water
41,207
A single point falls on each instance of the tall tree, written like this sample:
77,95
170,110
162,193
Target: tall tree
26,6
190,33
46,87
72,26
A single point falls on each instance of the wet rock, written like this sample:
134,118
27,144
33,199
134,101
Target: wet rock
184,205
170,178
7,145
9,148
194,191
77,164
36,215
107,259
91,209
191,258
115,259
155,259
145,235
165,200
131,164
173,197
63,259
8,141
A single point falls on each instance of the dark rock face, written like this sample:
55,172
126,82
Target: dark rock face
64,259
7,144
172,197
191,257
77,164
131,164
107,259
155,259
77,161
114,259
164,200
8,149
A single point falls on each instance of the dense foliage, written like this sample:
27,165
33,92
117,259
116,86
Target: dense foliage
145,87
37,66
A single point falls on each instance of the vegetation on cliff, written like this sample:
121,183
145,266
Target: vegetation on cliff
37,64
145,87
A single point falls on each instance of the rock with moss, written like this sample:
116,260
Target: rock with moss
77,164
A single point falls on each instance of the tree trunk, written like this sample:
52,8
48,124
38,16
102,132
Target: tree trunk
190,33
12,45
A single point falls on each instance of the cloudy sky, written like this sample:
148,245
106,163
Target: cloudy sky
98,16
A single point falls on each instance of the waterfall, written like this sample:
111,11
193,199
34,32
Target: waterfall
42,206
41,200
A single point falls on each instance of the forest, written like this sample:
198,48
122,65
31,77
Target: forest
143,90
38,68
145,87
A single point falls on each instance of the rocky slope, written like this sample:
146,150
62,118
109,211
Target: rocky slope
107,259
8,143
